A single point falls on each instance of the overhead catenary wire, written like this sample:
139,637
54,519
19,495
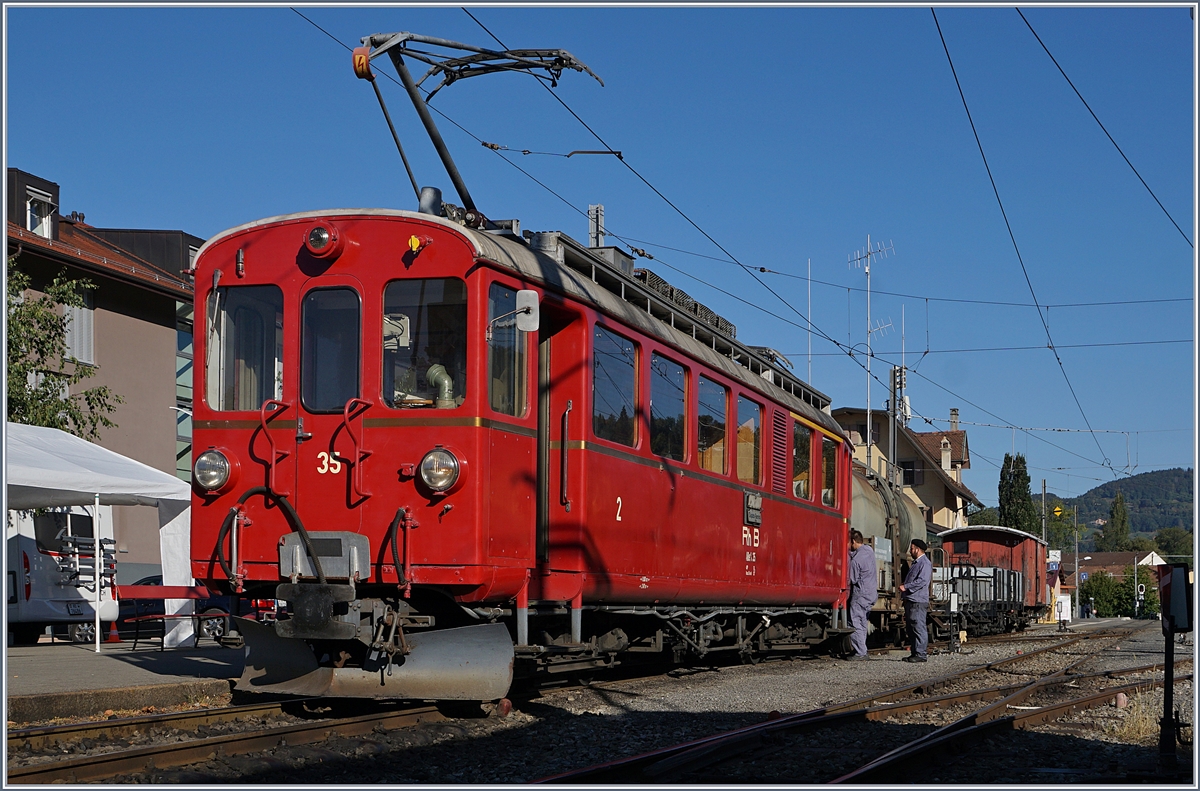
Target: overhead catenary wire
749,270
847,349
1105,130
958,300
1012,237
877,354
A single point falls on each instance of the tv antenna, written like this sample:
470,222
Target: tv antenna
475,62
862,258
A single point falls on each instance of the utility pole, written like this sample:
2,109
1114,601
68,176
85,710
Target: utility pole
1135,586
897,382
1043,509
1075,514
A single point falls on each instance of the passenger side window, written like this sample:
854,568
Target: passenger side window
801,460
614,385
829,459
710,434
506,354
668,407
749,437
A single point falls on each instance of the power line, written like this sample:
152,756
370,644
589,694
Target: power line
1012,236
749,270
878,354
913,296
847,348
1067,430
1010,425
1106,134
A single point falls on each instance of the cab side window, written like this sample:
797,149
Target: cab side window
614,385
829,459
506,353
801,460
710,418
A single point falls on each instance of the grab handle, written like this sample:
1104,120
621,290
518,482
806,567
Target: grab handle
276,455
566,501
359,452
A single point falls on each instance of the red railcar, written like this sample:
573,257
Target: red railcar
998,576
445,447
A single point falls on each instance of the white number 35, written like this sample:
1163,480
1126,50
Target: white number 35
328,463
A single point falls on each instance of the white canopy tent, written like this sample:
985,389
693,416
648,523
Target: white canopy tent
45,467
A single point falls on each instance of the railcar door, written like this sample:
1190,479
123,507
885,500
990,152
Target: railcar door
330,447
562,420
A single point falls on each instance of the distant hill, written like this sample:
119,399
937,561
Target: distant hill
1155,500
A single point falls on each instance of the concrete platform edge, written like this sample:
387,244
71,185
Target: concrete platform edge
94,702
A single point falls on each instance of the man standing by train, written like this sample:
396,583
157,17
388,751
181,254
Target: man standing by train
915,595
864,590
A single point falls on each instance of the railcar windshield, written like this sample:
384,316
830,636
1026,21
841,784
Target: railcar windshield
244,347
425,343
329,349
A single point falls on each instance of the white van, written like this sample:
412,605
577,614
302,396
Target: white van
44,586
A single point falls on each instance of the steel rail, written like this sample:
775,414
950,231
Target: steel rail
716,751
40,737
630,768
633,768
107,765
945,736
974,722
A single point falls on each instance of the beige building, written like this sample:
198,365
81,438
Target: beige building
928,465
135,328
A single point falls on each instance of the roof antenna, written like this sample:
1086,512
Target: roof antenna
863,258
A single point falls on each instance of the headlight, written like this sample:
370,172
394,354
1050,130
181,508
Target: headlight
317,238
212,470
324,241
439,469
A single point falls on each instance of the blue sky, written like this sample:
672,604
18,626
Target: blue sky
786,134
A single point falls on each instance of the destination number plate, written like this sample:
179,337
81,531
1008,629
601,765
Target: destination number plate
75,608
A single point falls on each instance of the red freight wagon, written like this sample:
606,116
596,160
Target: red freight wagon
445,447
1009,567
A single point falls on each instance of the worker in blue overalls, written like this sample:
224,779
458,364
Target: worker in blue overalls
863,592
915,595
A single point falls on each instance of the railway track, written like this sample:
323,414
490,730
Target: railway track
113,748
96,763
875,738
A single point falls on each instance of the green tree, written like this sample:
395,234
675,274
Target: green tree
984,516
1174,541
1115,535
1141,543
40,372
1105,593
1016,503
1060,527
1149,605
